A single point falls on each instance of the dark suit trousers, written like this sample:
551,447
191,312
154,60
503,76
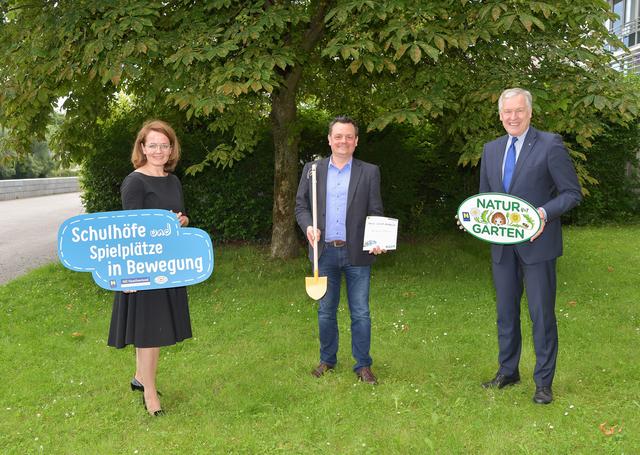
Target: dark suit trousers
510,276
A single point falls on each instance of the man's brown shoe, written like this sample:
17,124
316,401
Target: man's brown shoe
365,375
321,369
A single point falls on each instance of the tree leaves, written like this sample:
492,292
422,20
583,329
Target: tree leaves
440,62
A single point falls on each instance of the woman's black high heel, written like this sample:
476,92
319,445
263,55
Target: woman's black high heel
137,385
157,413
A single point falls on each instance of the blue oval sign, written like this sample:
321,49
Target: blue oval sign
499,218
135,249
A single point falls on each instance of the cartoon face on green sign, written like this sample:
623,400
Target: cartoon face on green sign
499,218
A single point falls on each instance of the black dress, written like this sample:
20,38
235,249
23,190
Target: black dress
158,317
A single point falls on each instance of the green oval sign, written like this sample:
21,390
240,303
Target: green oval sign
499,218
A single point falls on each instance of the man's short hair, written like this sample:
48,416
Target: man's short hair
343,119
511,92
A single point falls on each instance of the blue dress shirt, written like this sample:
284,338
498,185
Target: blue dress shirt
337,193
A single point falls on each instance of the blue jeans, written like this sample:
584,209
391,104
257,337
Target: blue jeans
332,264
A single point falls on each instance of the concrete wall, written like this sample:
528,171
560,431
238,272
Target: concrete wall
24,188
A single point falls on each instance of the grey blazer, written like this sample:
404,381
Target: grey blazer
545,177
363,199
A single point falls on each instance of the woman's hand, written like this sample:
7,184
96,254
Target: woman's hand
183,219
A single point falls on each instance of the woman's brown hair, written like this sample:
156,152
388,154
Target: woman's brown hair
137,156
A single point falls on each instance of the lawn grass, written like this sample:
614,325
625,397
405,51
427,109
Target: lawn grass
243,383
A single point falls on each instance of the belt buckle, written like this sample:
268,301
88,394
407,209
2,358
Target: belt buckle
338,243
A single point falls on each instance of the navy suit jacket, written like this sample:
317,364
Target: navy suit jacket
363,199
545,177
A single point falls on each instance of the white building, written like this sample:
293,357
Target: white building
627,28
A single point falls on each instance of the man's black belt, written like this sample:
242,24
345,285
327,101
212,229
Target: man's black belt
337,243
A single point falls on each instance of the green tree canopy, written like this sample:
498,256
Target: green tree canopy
237,65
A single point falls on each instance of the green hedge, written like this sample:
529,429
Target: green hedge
422,183
235,204
104,168
231,204
614,163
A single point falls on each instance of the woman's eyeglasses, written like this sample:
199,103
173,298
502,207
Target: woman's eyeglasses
162,147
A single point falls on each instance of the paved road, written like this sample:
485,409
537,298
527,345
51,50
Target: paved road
29,229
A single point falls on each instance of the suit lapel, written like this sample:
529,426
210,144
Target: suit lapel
321,177
356,171
525,153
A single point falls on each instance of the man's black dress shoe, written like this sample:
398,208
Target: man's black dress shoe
543,395
501,381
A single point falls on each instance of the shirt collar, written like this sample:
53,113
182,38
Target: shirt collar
520,138
346,166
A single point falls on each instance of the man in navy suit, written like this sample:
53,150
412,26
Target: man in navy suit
535,166
348,191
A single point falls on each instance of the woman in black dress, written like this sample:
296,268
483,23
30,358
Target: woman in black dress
158,317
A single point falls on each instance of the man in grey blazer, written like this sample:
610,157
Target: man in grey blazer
348,190
537,168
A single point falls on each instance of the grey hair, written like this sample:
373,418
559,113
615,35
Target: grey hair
511,92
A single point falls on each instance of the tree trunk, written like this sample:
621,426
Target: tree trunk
286,138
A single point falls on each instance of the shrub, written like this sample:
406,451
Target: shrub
422,183
232,204
37,164
614,163
104,167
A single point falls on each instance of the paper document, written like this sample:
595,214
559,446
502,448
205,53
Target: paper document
380,231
